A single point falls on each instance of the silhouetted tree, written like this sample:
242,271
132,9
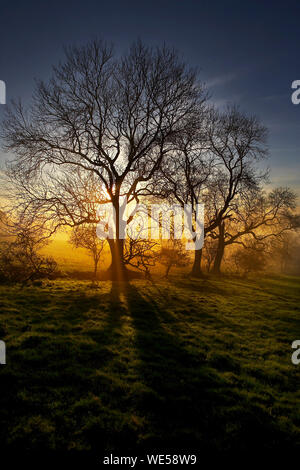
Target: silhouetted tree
141,254
85,236
20,260
113,118
173,254
215,161
256,217
209,252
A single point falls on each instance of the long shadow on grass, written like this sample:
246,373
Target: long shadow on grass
179,398
62,388
49,385
185,403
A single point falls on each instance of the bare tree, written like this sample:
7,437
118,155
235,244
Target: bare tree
209,252
111,118
85,236
141,254
187,172
256,217
215,161
20,260
237,142
173,254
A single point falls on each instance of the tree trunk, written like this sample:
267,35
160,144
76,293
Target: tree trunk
95,269
167,271
220,250
117,270
196,269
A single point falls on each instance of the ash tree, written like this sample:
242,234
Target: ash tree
84,236
173,254
141,254
257,218
21,260
238,144
215,161
108,117
185,175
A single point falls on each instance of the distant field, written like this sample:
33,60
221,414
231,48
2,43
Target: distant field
185,364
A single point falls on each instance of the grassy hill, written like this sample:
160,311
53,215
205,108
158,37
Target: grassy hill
185,364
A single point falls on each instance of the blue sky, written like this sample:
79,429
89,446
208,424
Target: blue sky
247,52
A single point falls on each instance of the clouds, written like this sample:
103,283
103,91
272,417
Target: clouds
221,80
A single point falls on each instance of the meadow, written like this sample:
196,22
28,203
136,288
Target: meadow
192,364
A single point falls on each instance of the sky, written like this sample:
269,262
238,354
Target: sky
247,53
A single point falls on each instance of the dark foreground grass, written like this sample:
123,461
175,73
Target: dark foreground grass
186,364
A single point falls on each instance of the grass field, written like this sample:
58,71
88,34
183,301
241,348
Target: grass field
185,364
